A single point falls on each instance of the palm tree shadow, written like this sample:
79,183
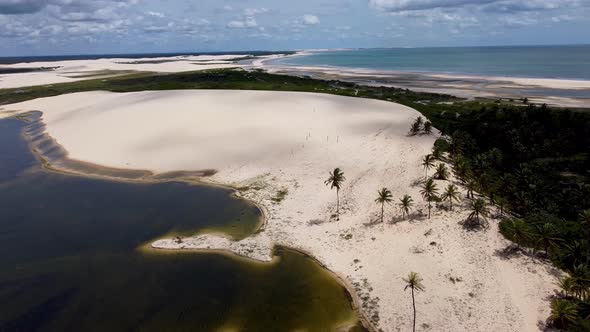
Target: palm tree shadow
510,251
417,182
373,221
473,226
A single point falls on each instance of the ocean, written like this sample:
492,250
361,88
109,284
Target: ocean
565,62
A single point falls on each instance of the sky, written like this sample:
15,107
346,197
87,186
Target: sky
60,27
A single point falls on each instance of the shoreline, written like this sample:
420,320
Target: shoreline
552,91
383,149
584,82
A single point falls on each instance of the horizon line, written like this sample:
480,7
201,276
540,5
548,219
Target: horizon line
242,52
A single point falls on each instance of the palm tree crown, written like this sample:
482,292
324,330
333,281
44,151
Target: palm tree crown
441,172
406,204
479,212
335,181
429,193
385,196
414,281
427,163
546,236
563,313
450,194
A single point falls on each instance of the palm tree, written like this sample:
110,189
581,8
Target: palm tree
429,192
563,313
335,181
518,231
584,217
471,186
479,211
581,281
461,168
427,163
567,285
414,283
406,204
384,197
441,172
502,204
545,236
451,194
437,153
573,252
416,126
419,121
428,127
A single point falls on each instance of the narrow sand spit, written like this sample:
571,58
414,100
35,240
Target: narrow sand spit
77,70
263,143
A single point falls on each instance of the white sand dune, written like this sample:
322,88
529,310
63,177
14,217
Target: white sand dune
77,70
265,142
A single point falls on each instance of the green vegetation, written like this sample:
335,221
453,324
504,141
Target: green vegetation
280,195
217,79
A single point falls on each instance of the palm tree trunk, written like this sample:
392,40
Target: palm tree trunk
382,211
414,305
451,204
428,209
338,204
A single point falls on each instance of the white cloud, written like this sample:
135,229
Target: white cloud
402,5
491,5
249,22
310,19
155,14
562,18
255,11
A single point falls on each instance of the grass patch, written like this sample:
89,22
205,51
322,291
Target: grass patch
280,195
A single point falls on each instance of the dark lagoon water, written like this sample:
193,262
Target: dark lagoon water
70,258
569,62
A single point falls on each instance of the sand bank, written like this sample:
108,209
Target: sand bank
556,92
76,70
265,143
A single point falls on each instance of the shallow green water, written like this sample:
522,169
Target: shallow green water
69,259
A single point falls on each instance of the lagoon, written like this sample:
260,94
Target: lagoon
71,258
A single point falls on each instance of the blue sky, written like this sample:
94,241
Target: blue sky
44,27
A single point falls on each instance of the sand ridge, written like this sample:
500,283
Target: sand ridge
263,143
77,70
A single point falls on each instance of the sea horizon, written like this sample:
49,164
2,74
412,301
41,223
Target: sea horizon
565,62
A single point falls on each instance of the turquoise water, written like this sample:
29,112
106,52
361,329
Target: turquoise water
571,62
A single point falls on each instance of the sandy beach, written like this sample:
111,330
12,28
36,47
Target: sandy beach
273,144
77,70
554,92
